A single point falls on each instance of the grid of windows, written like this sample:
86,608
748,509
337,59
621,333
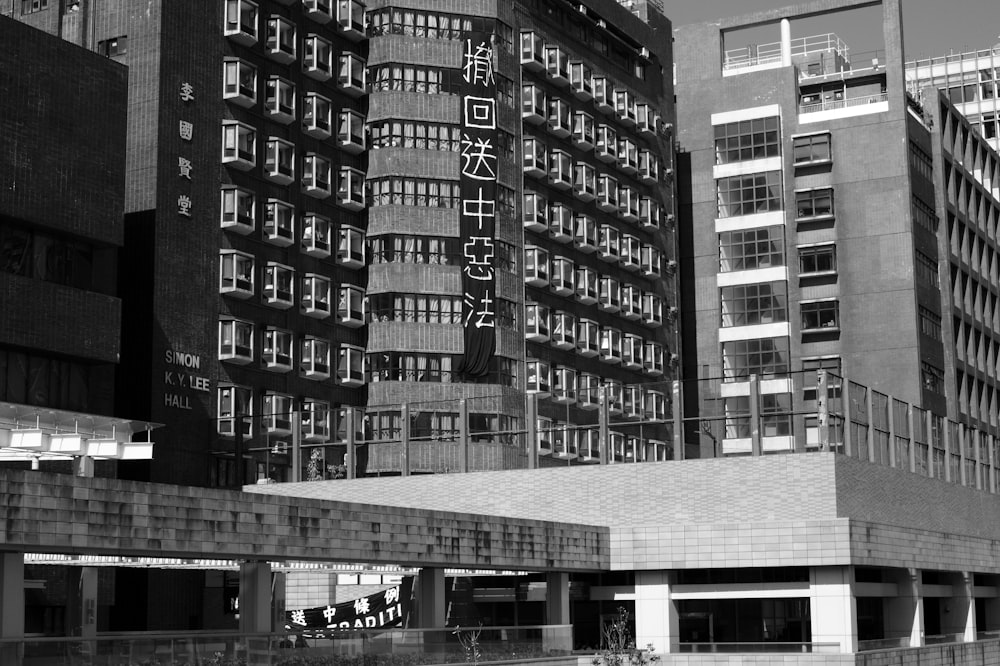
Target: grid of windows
811,149
764,356
408,134
933,377
434,25
920,162
749,194
747,140
820,315
814,203
749,304
425,308
818,259
414,78
751,248
413,192
924,215
930,323
409,249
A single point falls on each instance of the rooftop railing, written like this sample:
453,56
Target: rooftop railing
763,54
830,105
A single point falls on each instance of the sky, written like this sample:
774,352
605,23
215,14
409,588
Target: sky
930,27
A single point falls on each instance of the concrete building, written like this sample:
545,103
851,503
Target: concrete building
820,231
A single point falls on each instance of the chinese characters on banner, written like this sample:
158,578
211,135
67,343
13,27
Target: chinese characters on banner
478,189
388,608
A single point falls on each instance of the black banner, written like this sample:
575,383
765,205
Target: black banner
388,608
478,185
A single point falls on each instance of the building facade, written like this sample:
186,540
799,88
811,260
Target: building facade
812,225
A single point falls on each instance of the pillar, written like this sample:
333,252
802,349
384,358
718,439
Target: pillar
11,606
904,614
430,599
833,608
656,620
958,612
786,43
81,586
278,585
557,612
255,597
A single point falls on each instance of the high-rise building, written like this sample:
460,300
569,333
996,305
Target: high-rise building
302,178
811,216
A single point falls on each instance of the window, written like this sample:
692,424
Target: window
239,143
563,330
583,130
764,357
235,401
632,351
652,359
534,104
115,46
646,118
584,182
920,162
279,223
236,274
415,78
279,160
556,63
536,322
933,378
585,233
559,117
749,194
628,203
561,223
631,249
351,76
820,315
811,149
350,247
649,260
32,6
235,341
536,266
280,44
318,10
560,169
654,405
652,309
611,345
924,215
315,235
315,420
926,270
752,304
279,287
315,296
350,365
238,210
539,378
314,358
814,203
586,285
603,94
810,366
241,21
817,259
279,99
317,58
588,338
563,385
631,297
649,167
316,176
420,135
532,51
930,323
609,243
316,115
562,276
413,249
277,353
351,130
747,140
351,19
649,212
351,306
351,188
751,249
423,308
625,105
239,82
580,82
606,148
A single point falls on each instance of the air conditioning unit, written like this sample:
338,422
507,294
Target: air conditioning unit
644,52
672,265
672,312
674,359
601,23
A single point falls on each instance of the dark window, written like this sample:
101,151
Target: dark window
820,315
812,148
933,378
32,6
814,203
817,259
930,323
927,271
113,47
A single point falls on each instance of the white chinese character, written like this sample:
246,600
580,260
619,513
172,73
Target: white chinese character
480,112
187,91
476,156
478,68
186,130
184,205
391,595
479,255
329,613
361,605
481,309
299,617
184,165
479,209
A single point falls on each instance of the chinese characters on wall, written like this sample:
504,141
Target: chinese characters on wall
478,188
185,130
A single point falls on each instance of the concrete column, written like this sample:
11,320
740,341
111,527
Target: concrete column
786,43
278,586
81,597
656,620
557,612
11,606
255,597
430,599
833,608
958,613
904,614
756,447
